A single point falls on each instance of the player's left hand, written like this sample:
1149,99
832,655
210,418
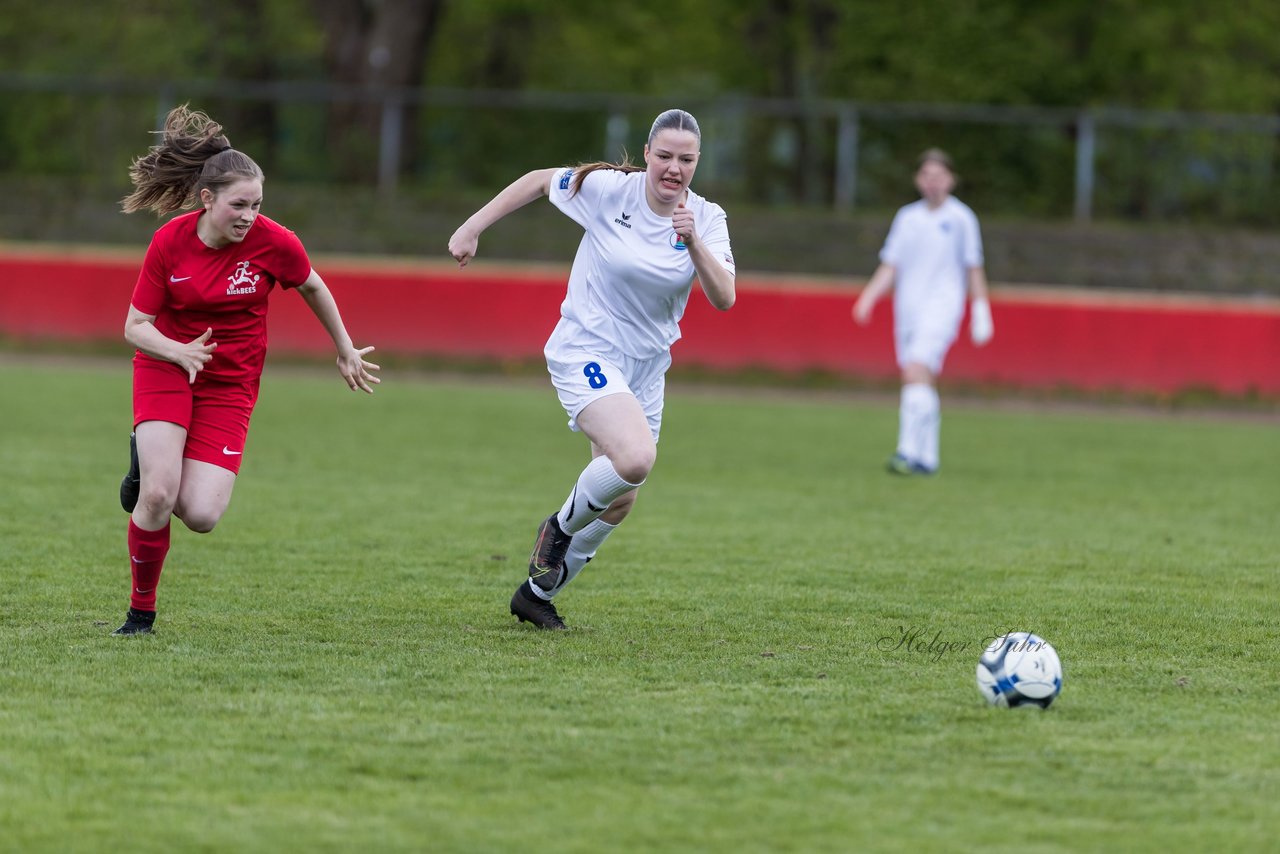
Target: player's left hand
981,327
356,371
682,222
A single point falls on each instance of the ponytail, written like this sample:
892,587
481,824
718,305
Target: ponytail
193,154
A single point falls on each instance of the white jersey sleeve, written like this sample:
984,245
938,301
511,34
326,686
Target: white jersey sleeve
891,253
713,231
581,206
970,239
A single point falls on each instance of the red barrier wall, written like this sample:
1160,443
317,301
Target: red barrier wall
1043,338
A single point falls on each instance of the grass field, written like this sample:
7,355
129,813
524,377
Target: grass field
335,669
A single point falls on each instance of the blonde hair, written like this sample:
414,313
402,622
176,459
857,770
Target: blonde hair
193,154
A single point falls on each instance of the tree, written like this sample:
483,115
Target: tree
373,46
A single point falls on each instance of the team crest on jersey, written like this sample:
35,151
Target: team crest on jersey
677,242
242,281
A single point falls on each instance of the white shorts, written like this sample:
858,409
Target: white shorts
584,369
925,339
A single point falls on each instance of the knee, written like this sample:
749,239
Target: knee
633,464
621,506
202,521
915,372
157,500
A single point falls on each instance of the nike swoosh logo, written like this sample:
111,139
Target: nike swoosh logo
177,279
593,508
134,559
142,592
231,453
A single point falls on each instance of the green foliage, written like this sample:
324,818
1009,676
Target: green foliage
334,667
160,40
1060,53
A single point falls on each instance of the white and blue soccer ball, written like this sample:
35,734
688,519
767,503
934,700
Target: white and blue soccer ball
1019,669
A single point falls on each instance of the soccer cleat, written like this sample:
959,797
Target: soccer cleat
136,623
898,464
531,609
546,563
130,486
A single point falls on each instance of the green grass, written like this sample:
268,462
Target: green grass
334,667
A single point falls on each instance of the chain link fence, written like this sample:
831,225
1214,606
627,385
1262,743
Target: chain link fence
1039,163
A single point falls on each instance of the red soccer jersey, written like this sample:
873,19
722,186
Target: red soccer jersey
189,288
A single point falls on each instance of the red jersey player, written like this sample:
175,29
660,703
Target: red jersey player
198,321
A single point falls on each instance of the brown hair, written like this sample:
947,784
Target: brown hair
936,155
582,170
669,120
193,155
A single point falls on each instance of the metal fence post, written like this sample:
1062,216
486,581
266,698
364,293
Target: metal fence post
1085,144
389,144
164,103
846,190
615,136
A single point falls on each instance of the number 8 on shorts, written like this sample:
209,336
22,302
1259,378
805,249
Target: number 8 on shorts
595,378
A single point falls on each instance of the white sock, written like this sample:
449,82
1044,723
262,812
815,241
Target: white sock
582,549
909,408
930,427
597,487
918,424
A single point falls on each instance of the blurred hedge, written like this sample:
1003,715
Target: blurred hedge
766,239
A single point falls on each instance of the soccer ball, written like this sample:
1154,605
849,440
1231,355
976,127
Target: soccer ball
1019,669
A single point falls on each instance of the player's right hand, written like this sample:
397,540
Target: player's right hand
463,245
862,312
192,357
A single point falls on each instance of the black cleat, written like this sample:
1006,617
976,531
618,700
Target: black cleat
530,609
130,486
546,564
136,623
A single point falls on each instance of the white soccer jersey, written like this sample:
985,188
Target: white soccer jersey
932,252
631,277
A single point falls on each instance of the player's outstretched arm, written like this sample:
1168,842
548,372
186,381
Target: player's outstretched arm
520,192
351,362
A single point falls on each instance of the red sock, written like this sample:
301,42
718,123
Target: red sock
146,552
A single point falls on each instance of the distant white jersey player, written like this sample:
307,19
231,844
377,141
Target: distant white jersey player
933,258
647,238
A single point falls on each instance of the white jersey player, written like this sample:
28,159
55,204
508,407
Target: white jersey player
933,256
647,238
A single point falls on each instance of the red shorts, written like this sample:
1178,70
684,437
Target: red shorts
214,414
